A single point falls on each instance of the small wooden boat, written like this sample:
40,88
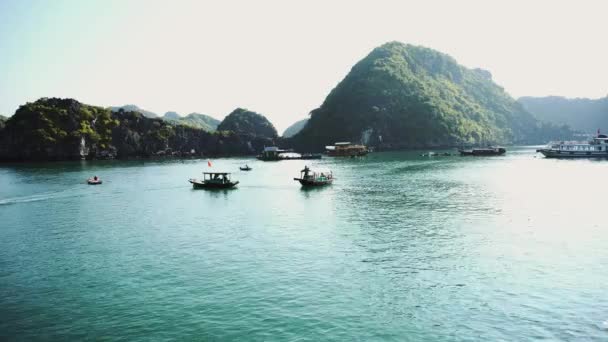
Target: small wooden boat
94,181
245,168
213,180
310,177
489,151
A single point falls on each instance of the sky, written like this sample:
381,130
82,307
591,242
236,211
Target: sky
281,58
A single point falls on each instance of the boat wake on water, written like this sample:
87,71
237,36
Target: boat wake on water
40,197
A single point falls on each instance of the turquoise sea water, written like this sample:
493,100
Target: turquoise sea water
399,248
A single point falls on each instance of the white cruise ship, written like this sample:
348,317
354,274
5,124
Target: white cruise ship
596,148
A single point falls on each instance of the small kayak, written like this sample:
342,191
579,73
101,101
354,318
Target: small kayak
92,181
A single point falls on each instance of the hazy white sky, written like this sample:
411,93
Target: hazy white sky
281,58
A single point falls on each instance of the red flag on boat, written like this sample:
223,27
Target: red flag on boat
209,163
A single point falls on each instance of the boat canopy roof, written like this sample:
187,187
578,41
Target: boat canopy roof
274,149
343,143
216,173
290,155
316,170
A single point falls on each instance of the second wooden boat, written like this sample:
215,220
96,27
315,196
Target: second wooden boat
214,180
309,177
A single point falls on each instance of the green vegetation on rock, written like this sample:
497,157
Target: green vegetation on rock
195,120
64,129
410,96
57,128
247,122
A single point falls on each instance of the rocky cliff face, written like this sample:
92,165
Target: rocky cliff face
139,136
65,129
55,129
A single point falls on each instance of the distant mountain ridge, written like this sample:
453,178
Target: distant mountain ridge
134,108
582,114
171,116
295,128
406,96
195,120
398,96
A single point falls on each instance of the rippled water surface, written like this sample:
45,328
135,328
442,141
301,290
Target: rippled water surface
400,247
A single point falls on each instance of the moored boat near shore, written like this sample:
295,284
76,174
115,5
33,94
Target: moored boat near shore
596,148
346,149
486,151
273,153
